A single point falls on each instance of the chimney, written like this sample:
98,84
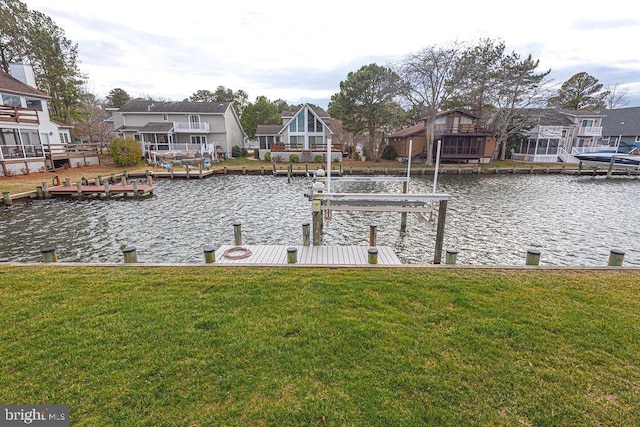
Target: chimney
23,72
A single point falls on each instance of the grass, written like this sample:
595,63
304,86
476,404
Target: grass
355,347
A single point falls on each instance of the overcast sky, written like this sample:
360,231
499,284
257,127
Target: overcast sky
300,51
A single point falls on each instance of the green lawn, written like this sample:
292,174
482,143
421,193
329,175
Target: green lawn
200,346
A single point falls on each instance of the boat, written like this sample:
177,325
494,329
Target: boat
625,156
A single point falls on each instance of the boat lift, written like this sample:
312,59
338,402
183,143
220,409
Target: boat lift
324,200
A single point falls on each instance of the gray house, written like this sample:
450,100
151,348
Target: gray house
163,127
621,125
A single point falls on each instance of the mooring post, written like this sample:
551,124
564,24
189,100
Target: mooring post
292,255
209,254
273,164
616,257
350,170
373,231
200,170
372,255
451,256
261,170
99,181
186,166
6,198
149,180
79,190
442,215
49,254
237,233
316,214
611,163
123,179
130,255
107,193
135,189
45,189
403,215
533,257
306,234
224,170
39,192
306,168
67,182
112,178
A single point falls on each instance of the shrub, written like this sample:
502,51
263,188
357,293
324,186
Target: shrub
238,151
293,158
267,156
125,151
389,153
317,159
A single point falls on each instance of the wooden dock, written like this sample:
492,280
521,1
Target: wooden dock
138,190
306,255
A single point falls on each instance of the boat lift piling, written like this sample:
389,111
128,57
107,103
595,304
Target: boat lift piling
323,199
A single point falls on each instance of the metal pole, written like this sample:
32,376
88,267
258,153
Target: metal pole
435,173
442,214
409,165
329,165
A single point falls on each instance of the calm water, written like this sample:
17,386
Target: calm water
490,220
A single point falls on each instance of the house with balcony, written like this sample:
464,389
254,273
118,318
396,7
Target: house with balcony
558,134
461,135
180,127
305,132
25,127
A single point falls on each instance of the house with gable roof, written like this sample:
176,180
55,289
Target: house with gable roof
26,130
180,127
305,132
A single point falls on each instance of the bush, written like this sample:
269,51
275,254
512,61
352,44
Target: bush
317,159
389,153
267,156
238,151
293,158
125,151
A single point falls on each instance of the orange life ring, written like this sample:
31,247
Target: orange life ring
55,180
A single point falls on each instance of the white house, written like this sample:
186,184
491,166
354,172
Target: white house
25,126
163,127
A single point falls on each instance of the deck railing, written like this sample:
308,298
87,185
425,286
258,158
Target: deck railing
18,115
472,128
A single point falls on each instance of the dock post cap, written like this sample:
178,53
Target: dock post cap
617,252
292,249
533,251
48,249
452,251
373,250
129,249
210,248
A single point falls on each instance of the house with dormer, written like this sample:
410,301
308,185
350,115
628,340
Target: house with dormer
26,130
183,127
305,133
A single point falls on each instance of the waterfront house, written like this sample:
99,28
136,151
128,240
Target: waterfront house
305,133
180,127
558,134
26,130
621,125
462,138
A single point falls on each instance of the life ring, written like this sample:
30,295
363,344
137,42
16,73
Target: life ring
55,180
237,252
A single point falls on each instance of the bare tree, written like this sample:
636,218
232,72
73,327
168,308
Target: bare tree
618,97
426,83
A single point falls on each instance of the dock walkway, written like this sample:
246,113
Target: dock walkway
86,190
307,255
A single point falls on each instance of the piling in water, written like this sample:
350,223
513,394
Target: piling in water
533,257
451,256
292,255
130,255
306,234
237,233
209,254
616,257
49,254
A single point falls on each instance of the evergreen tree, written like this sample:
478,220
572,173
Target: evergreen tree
580,92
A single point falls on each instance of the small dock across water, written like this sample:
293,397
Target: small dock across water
136,190
306,255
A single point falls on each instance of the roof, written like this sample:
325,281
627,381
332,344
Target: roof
583,113
550,117
268,129
621,121
450,112
10,84
411,130
146,106
317,110
153,127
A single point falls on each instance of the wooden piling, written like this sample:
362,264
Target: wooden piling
149,180
6,198
224,170
67,182
533,257
135,189
292,255
611,163
130,255
100,180
261,170
403,215
372,255
200,170
45,189
306,234
237,233
49,254
123,179
209,254
451,256
79,190
616,257
112,178
442,215
317,217
107,193
373,234
187,167
39,192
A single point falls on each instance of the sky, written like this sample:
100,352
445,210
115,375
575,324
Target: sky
301,51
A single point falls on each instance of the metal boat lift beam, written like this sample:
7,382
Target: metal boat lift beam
381,197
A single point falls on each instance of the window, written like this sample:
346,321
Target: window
194,122
64,138
198,139
296,141
316,141
165,117
11,100
36,104
586,124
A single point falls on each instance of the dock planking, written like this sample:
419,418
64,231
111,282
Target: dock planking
62,190
309,255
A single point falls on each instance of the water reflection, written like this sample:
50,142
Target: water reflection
490,220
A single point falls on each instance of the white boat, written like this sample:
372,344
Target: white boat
625,156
